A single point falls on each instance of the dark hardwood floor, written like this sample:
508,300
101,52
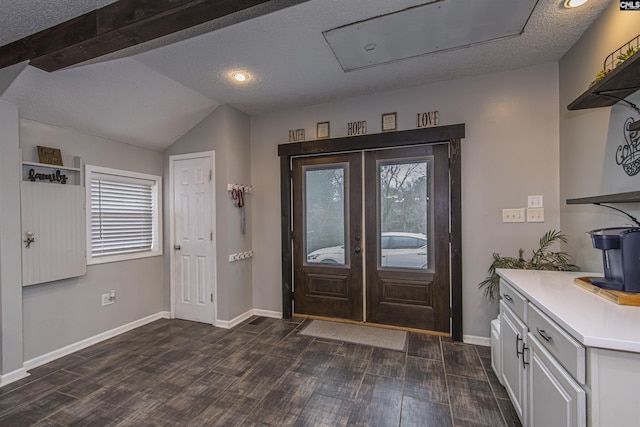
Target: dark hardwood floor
261,373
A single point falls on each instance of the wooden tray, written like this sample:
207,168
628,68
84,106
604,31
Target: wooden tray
619,297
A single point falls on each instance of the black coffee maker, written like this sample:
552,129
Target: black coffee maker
620,257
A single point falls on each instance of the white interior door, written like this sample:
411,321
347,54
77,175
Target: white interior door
193,237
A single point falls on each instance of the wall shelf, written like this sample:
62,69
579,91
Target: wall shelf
623,81
629,197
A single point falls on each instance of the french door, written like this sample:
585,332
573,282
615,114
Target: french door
377,249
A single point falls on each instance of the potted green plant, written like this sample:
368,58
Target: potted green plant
542,259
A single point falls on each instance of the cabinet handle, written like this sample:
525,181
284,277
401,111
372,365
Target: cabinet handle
507,297
518,339
524,348
543,334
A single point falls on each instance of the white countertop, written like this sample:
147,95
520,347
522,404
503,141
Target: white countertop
592,320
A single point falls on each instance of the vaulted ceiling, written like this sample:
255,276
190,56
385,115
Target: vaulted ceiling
152,93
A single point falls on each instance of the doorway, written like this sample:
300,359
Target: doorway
388,266
192,237
403,291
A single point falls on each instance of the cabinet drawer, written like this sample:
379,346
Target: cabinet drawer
567,351
513,299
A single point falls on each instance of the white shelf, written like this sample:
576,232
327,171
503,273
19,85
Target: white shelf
43,165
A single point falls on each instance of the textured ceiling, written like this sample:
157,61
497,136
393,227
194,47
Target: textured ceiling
153,97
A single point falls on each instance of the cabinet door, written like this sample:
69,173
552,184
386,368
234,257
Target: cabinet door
513,336
55,215
555,399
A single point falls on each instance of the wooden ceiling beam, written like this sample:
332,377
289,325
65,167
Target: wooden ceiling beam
117,26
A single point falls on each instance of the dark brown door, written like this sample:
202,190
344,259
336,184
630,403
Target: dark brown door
407,237
327,253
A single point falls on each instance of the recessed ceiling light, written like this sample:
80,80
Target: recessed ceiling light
240,76
574,3
369,47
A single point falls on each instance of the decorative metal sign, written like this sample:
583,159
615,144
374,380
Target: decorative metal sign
356,128
296,135
428,119
51,177
628,155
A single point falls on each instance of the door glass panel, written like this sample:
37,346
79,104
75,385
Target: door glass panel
404,190
324,207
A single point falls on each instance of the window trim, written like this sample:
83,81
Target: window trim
125,176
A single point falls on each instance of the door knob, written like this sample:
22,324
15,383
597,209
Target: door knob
357,249
177,247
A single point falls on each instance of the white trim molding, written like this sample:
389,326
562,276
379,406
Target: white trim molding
71,348
475,340
228,324
16,375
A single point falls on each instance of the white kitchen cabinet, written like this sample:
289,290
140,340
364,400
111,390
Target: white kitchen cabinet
583,352
554,397
513,336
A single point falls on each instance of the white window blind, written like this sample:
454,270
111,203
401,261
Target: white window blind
123,215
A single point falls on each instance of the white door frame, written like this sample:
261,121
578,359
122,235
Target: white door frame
214,288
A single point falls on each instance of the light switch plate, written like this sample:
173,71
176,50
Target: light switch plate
535,215
513,215
535,202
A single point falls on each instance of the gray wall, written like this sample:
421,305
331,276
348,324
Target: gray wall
589,138
511,151
225,131
10,242
63,312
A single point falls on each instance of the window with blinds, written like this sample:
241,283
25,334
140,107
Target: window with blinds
123,215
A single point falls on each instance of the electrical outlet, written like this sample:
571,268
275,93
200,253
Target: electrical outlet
535,215
535,202
107,300
513,215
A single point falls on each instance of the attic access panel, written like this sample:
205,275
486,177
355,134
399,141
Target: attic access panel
432,27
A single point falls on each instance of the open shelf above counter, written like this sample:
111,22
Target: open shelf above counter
629,197
623,81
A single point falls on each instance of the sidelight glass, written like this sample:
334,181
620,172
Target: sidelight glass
404,215
325,211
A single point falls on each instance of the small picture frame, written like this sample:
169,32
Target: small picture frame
389,122
322,130
49,156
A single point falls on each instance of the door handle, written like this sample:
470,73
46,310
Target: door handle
177,247
357,249
357,238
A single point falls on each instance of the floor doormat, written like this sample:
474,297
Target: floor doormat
358,334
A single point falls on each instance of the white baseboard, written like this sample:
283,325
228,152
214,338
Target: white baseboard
472,339
71,348
16,375
267,313
228,324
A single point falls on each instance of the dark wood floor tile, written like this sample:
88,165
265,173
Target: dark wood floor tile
269,366
46,423
472,400
423,345
417,413
78,410
498,389
426,380
379,402
258,324
486,362
80,388
463,360
215,335
114,395
284,403
250,386
292,347
273,335
343,377
238,363
315,359
354,350
483,350
324,411
187,405
34,390
56,365
388,363
36,410
509,413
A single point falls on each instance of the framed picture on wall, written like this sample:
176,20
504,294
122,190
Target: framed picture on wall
322,130
49,156
389,122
